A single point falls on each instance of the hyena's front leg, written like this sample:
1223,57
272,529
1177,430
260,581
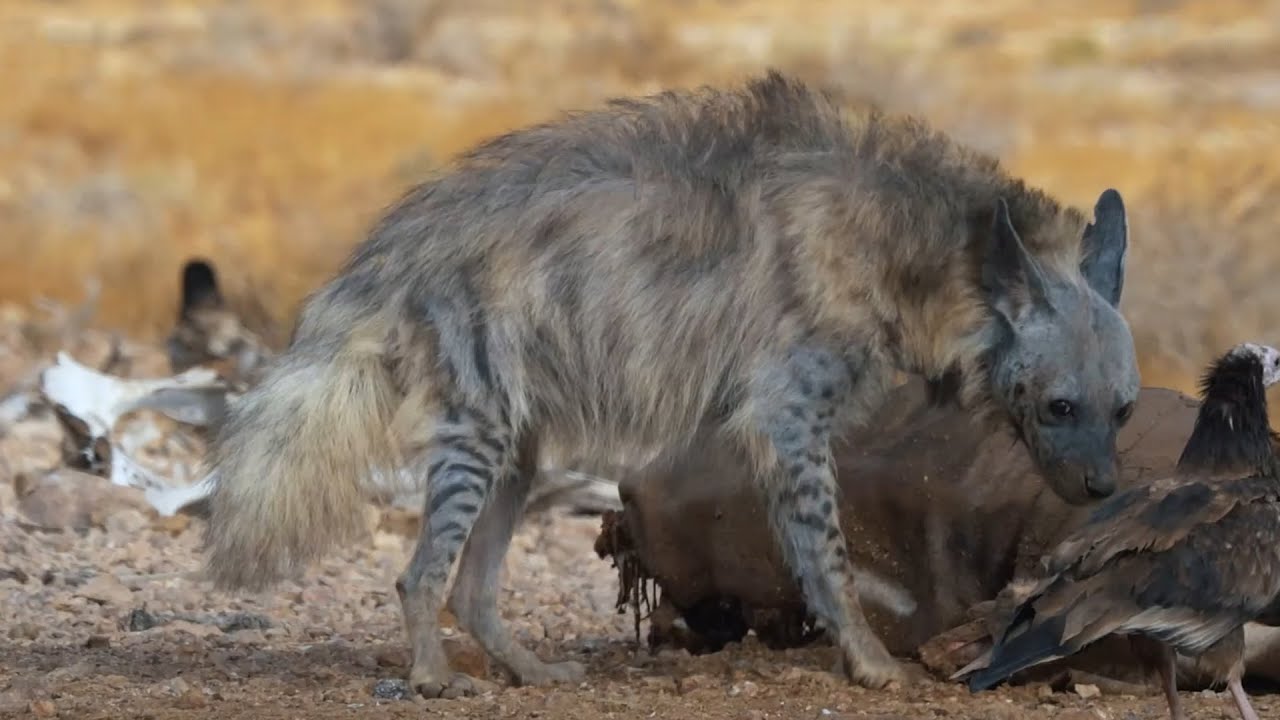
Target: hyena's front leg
801,496
468,453
475,591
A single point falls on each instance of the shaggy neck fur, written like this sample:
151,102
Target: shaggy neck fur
911,213
1232,431
953,337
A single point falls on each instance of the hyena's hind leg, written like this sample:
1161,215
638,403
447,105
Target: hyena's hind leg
469,452
475,591
800,493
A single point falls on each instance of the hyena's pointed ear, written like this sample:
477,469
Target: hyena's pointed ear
1010,276
1104,246
199,287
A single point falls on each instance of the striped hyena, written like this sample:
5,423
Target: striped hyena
750,262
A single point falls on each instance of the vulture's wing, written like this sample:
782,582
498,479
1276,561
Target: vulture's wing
1152,518
1209,581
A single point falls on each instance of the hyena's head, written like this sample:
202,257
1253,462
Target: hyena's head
1063,368
208,332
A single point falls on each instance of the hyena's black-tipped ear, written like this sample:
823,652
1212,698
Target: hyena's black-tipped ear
199,287
1010,275
1104,246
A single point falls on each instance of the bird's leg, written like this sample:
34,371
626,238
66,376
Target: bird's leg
1155,653
1242,700
1168,668
1226,658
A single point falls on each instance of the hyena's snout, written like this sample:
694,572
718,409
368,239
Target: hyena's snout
1099,470
1100,482
1082,477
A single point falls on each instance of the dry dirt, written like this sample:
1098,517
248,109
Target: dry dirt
105,616
79,643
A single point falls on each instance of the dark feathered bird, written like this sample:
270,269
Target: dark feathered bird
1179,565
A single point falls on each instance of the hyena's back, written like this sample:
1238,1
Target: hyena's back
623,273
617,278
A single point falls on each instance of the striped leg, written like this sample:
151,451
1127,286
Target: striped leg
475,592
469,453
804,395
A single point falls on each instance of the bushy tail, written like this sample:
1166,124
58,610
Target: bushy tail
292,460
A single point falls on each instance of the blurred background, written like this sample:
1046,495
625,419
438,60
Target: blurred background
266,135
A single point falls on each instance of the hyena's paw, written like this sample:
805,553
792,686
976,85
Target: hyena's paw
448,686
548,673
872,667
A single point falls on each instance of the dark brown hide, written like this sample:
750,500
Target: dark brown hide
928,499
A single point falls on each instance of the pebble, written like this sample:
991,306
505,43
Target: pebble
191,699
696,682
68,499
746,688
466,656
248,637
1087,691
106,590
199,630
391,689
393,657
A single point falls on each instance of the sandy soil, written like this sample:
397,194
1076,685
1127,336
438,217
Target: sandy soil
104,622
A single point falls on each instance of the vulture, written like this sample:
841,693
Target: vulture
1178,565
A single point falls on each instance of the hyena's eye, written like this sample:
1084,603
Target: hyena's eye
1124,413
1061,409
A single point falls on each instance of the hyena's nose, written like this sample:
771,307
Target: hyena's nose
1098,485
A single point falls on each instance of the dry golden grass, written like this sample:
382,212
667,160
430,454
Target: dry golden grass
135,134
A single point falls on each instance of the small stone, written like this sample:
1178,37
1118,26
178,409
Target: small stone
196,629
466,656
69,498
43,708
661,683
392,657
694,683
17,574
173,524
97,642
317,595
248,637
1082,714
14,701
391,689
126,522
805,676
140,619
191,699
106,590
114,681
231,622
746,689
1087,691
24,630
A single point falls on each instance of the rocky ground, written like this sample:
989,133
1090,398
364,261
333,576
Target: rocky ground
107,622
106,616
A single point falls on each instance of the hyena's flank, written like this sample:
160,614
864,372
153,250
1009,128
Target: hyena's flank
745,262
210,333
